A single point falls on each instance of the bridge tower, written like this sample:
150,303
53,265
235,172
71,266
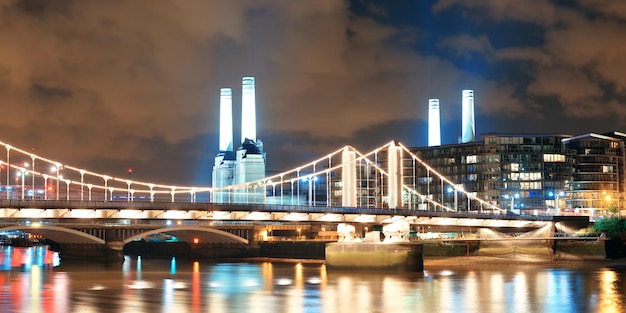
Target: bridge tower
348,178
395,170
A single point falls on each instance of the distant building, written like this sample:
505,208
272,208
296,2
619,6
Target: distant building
597,185
527,173
519,172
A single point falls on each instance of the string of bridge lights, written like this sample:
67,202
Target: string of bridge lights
58,166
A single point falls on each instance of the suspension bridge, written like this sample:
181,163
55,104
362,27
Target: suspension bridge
344,186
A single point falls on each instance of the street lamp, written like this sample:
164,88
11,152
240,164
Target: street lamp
89,186
512,197
32,156
1,169
455,189
462,189
24,172
607,199
45,186
21,172
556,196
310,180
8,147
68,182
56,168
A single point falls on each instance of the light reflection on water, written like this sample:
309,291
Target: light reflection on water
34,280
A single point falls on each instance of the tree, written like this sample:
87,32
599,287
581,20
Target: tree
612,226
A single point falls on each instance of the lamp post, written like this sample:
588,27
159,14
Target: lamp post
45,186
8,147
24,173
1,169
56,168
607,199
455,189
311,190
512,197
21,173
68,182
462,189
32,156
556,195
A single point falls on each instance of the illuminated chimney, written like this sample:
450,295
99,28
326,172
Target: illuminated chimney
467,126
434,124
226,119
248,110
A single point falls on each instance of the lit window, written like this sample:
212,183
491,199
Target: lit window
471,159
550,157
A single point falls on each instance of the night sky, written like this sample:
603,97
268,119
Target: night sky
112,85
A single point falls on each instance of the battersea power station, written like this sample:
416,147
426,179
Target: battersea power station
248,162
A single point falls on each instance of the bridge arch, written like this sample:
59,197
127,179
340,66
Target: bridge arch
189,233
57,234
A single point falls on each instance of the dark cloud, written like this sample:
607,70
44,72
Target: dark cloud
46,93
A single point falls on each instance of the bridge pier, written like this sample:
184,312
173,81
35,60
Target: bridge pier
83,251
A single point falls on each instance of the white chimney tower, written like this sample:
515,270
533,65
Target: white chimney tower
226,119
434,123
467,126
248,110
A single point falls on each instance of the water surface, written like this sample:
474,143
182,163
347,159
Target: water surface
36,280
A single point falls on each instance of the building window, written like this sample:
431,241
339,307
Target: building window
550,157
530,185
515,167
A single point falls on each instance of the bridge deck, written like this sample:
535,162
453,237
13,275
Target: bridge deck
268,208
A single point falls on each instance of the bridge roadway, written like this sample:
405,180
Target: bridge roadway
34,209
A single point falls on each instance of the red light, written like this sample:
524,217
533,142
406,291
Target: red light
130,170
196,240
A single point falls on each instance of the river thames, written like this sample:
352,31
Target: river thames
35,280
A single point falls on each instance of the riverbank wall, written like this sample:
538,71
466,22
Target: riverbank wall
397,256
316,250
